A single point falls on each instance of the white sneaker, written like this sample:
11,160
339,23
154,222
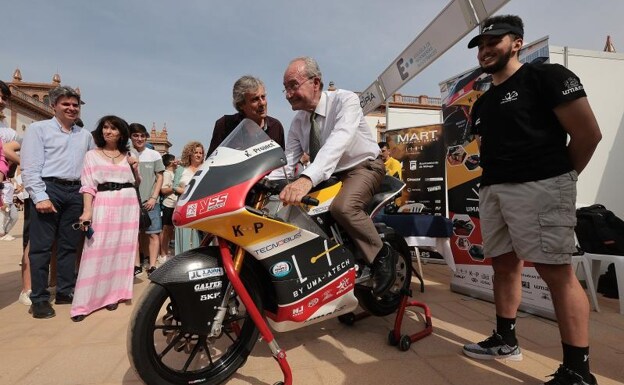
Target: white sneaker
8,237
24,298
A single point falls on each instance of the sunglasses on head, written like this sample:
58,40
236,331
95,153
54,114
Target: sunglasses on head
78,225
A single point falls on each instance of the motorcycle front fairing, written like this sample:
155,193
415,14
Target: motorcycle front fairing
313,277
221,184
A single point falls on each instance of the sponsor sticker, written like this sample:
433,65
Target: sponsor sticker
280,269
208,286
205,273
191,210
297,311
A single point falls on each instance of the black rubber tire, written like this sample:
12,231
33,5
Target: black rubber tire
347,319
404,343
144,338
391,340
389,302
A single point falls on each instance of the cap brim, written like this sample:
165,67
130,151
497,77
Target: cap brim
493,32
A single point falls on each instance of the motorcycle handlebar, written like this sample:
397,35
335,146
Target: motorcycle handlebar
308,200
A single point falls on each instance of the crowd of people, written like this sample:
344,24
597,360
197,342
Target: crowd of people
82,205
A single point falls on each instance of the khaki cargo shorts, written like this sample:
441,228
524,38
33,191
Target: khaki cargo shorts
534,219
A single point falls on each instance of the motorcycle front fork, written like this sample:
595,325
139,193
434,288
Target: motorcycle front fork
231,271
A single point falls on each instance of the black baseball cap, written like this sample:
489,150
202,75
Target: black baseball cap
495,29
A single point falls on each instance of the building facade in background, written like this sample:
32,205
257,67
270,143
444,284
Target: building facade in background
30,103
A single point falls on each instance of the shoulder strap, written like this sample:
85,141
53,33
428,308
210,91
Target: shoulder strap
136,183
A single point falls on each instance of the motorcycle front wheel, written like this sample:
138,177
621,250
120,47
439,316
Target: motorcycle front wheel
389,302
162,353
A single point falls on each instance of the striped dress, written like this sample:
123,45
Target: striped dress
106,272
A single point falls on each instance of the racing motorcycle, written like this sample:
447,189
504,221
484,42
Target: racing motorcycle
262,264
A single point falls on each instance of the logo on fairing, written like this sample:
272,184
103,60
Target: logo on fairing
205,273
208,286
280,269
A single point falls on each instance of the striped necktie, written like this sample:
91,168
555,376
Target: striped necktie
315,137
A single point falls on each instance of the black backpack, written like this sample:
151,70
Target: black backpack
607,283
599,231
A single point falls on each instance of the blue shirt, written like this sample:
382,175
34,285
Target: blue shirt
48,151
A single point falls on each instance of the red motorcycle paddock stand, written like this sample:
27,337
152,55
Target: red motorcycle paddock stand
278,353
405,341
394,337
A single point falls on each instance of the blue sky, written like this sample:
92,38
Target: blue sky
175,62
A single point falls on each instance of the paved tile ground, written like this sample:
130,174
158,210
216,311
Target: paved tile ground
59,351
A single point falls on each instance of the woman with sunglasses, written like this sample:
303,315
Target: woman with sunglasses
110,220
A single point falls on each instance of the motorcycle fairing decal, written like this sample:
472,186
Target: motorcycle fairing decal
321,208
227,200
325,197
268,247
253,232
312,258
212,180
224,156
313,305
313,264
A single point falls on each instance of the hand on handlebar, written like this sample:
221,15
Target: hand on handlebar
294,192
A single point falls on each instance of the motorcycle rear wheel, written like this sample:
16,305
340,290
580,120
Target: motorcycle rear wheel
162,353
389,302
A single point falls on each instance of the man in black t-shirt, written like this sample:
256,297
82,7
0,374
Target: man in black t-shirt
527,194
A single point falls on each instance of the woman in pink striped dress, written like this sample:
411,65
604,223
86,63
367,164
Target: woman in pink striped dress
111,211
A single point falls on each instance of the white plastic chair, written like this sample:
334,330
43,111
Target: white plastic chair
618,262
581,260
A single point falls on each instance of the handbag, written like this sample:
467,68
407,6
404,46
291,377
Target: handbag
144,219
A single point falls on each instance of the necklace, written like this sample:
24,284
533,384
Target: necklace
112,158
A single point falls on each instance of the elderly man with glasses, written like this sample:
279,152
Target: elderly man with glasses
330,127
52,155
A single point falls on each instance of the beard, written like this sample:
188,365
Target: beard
498,64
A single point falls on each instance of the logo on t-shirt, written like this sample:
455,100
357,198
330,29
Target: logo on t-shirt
571,85
509,97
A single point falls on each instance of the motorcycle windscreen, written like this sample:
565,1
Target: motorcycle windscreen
221,184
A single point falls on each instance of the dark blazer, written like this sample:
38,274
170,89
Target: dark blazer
227,123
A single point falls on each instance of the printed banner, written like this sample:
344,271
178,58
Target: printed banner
456,20
474,273
421,152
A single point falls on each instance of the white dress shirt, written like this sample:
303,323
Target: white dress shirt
346,138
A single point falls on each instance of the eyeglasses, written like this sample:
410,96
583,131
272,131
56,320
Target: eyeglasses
78,225
293,87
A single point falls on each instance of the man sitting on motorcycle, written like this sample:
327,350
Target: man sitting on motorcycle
330,127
